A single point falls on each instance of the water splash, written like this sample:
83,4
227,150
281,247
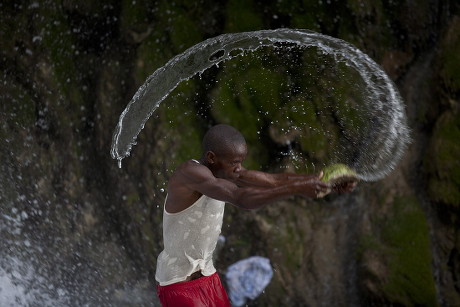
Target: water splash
20,285
386,136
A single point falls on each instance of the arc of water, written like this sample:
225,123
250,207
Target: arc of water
215,50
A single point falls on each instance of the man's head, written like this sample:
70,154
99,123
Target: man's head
224,149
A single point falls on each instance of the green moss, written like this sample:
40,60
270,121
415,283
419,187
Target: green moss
405,275
65,77
151,55
247,101
442,160
310,17
134,14
59,41
349,104
184,32
294,244
180,24
182,124
259,87
288,7
176,30
328,107
242,16
407,249
302,115
371,19
289,237
368,242
132,199
450,57
364,8
298,96
444,191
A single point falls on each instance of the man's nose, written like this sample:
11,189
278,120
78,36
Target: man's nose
237,168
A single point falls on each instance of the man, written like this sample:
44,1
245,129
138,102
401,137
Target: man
194,209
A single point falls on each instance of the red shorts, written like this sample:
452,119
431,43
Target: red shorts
206,291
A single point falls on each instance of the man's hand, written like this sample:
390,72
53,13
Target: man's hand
344,187
316,188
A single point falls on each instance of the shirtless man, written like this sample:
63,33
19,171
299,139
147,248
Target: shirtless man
194,209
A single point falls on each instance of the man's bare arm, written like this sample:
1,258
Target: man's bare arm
253,178
201,179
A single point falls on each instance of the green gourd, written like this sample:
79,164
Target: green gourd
336,174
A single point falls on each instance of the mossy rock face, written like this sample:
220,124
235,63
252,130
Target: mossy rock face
242,16
294,99
450,56
246,97
134,14
62,54
398,260
406,235
182,125
442,160
184,34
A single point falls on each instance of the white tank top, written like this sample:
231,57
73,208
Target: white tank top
189,237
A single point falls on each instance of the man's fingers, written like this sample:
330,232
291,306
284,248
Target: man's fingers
322,189
345,187
321,174
325,187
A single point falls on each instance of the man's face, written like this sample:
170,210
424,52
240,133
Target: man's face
228,164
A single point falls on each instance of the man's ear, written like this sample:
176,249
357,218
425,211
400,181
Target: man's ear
210,157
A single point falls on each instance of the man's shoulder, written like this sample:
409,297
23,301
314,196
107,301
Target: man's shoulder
189,165
190,170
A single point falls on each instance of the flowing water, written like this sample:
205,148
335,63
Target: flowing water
367,108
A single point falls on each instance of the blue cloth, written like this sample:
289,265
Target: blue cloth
247,278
